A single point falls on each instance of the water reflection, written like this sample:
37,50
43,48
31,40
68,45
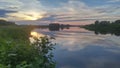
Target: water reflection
80,48
117,33
43,44
87,51
36,34
104,31
57,27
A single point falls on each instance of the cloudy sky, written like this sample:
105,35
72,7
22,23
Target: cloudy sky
60,11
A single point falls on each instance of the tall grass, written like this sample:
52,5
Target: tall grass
16,51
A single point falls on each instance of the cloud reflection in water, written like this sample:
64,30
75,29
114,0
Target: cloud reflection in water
83,49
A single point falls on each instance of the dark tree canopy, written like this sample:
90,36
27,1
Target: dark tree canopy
105,27
4,22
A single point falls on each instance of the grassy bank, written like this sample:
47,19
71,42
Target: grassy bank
16,51
15,33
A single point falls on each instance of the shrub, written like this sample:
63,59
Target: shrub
20,53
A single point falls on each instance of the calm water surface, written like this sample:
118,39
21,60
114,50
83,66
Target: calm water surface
80,48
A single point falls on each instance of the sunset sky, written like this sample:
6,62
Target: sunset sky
60,11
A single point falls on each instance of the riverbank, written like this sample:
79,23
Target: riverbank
16,51
105,27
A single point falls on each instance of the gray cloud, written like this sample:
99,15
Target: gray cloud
61,10
3,12
50,18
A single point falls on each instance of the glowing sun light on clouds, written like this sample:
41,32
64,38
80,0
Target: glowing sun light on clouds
35,15
28,15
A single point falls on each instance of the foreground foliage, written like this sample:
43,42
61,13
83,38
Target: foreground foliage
16,51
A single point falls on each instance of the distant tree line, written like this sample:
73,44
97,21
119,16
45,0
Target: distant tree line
4,22
57,26
105,27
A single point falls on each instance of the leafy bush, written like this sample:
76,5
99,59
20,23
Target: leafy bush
23,54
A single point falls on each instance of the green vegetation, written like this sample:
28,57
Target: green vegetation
5,23
14,33
105,27
16,51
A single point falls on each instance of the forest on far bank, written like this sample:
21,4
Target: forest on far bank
105,27
4,22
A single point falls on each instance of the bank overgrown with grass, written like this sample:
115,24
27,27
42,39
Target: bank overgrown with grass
16,51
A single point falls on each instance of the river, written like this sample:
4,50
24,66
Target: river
80,48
